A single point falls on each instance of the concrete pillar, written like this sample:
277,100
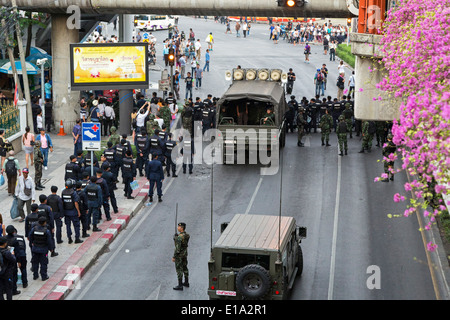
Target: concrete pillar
65,101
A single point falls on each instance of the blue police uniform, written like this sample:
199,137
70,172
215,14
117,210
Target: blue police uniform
105,195
55,202
95,200
71,217
155,175
41,244
128,173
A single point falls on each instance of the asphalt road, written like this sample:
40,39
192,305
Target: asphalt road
350,230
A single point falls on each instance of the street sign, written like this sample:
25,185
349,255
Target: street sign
91,136
145,36
164,85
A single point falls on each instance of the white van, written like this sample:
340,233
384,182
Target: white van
154,22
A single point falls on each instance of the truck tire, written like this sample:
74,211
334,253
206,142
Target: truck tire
299,261
253,281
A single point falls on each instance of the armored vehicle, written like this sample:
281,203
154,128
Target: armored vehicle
256,257
242,116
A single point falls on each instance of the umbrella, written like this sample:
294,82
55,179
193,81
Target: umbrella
31,68
38,53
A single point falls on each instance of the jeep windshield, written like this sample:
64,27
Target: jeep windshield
240,260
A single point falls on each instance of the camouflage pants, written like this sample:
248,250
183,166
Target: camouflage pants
167,122
181,267
388,165
326,135
349,126
367,141
188,126
300,133
342,140
37,173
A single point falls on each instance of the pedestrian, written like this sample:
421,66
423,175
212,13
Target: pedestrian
333,47
46,145
2,226
9,261
20,253
25,193
128,173
210,41
95,200
307,52
368,130
72,170
188,80
181,240
389,149
77,137
290,81
326,123
12,169
301,124
48,107
39,121
198,49
324,71
71,211
341,86
341,131
318,82
3,142
244,29
114,137
207,59
348,114
198,77
228,26
351,85
28,145
56,204
44,210
290,114
155,175
237,28
186,117
36,109
41,244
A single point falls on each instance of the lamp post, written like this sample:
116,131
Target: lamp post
41,62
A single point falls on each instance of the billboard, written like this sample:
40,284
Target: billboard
100,66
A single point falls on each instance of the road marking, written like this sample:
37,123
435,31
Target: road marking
335,229
253,196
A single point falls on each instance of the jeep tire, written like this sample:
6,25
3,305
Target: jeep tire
299,261
253,281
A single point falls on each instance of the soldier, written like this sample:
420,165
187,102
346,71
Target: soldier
151,125
301,123
41,244
380,133
348,115
128,173
170,163
186,118
388,149
368,129
71,211
38,162
341,131
83,206
55,202
326,123
165,114
269,118
95,200
181,240
142,150
114,137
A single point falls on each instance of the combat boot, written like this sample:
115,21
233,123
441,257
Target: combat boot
361,151
179,286
328,145
186,282
392,177
346,152
341,154
323,143
159,199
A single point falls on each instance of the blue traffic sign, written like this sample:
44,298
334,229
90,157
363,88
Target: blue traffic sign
91,135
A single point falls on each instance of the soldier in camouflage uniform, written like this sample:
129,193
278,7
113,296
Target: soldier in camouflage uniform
341,130
348,114
367,137
38,163
180,254
115,137
301,123
151,125
381,132
326,123
186,117
389,165
165,114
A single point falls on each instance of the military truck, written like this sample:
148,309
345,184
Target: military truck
242,111
256,257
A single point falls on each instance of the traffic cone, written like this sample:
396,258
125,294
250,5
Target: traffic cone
61,129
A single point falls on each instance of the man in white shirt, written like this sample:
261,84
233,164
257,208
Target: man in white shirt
142,114
25,193
108,117
198,49
351,84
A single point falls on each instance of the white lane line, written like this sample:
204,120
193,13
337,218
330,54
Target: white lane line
253,196
335,229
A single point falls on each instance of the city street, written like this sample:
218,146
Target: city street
354,226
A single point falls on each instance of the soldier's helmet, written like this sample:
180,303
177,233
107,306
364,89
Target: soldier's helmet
69,183
292,97
341,117
301,109
113,129
390,136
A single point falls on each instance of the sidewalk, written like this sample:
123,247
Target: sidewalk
73,260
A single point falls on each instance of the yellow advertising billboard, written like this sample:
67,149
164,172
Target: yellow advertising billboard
100,66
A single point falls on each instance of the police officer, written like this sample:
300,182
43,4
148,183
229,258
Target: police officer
181,240
105,194
45,211
95,200
71,211
313,112
197,114
111,179
290,114
79,161
6,280
121,149
207,117
41,243
31,219
170,163
142,150
87,162
155,175
336,111
55,202
156,144
72,170
18,243
128,173
187,151
110,156
83,206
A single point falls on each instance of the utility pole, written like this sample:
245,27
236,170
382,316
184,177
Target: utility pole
12,61
24,69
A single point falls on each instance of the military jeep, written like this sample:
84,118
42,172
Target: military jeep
256,257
